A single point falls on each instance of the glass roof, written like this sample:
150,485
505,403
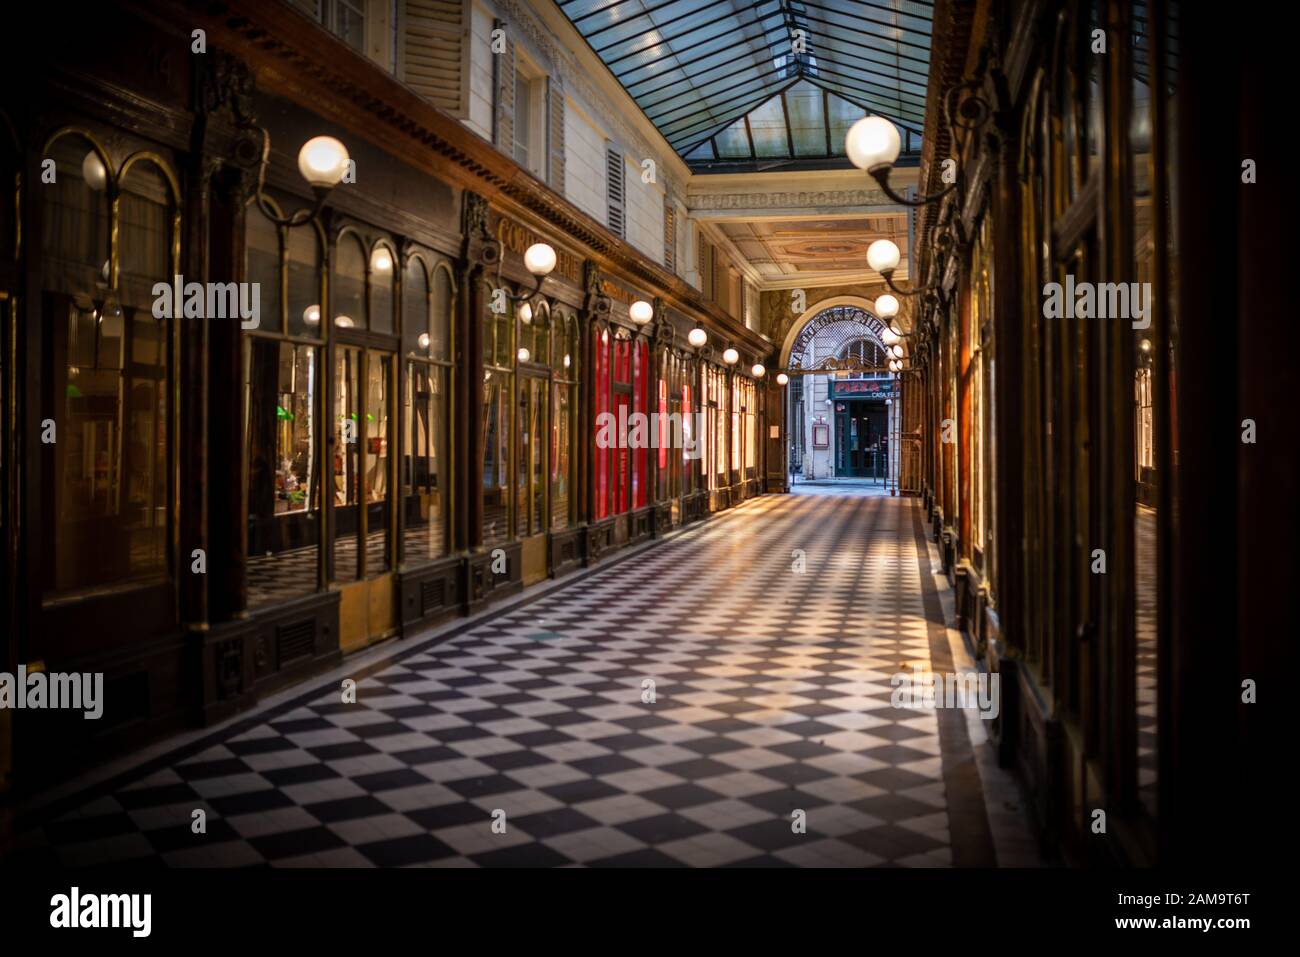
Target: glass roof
735,81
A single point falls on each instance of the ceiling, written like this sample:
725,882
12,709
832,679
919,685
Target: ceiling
786,251
725,85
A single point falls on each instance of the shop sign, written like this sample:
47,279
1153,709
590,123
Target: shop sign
864,388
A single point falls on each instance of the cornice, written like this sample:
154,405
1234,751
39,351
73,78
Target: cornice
294,58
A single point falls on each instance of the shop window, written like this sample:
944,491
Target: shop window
282,385
498,387
383,265
348,301
564,422
426,477
107,369
346,447
601,456
304,282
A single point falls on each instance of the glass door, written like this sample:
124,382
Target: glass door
532,471
362,463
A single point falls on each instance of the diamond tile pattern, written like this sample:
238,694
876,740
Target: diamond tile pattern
768,637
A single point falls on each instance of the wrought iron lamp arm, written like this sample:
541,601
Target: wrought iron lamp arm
299,217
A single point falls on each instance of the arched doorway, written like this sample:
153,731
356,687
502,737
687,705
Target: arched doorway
841,403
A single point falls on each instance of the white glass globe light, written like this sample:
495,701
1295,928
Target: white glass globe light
697,337
641,312
539,259
311,315
898,352
525,313
423,340
730,357
524,354
872,143
887,306
888,337
322,161
883,256
782,378
381,260
758,370
93,172
344,322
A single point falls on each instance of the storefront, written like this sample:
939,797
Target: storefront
230,503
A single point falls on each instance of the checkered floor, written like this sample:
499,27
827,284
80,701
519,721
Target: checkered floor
289,574
768,637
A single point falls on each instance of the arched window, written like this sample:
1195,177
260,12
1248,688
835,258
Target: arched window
282,433
348,299
427,306
107,361
383,304
304,283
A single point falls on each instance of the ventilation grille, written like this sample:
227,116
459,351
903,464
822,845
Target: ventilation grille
670,238
617,198
295,641
433,595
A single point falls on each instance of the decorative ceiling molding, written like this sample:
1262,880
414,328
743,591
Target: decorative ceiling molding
803,200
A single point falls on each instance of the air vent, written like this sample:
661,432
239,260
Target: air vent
295,641
433,595
616,194
670,238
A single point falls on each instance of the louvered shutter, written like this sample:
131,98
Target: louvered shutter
432,52
615,191
670,238
555,137
503,133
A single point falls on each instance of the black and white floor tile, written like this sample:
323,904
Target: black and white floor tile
768,636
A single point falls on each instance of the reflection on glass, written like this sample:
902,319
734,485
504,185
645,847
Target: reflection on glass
75,224
346,468
496,456
382,302
531,479
349,303
283,480
425,476
303,291
111,457
262,265
378,379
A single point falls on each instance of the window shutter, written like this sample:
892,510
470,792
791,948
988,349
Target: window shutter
555,137
432,51
616,194
670,238
503,65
